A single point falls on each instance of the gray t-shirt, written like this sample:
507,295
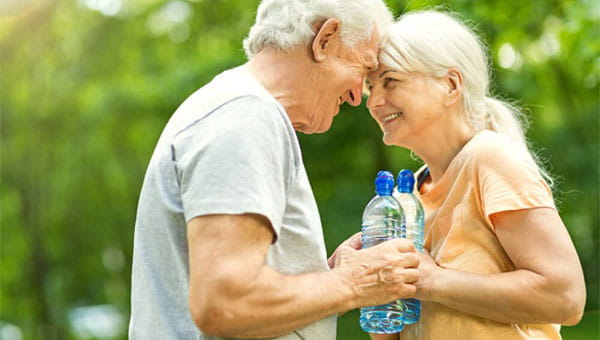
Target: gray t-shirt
228,149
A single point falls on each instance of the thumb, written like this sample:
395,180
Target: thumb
355,241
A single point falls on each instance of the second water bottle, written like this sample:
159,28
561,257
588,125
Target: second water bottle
414,219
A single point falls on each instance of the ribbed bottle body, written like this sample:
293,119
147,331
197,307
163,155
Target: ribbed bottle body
414,219
382,221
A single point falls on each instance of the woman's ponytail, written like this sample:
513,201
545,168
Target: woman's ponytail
507,119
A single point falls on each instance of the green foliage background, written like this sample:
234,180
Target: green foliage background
85,93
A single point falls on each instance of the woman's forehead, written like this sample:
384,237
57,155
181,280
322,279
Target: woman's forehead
381,71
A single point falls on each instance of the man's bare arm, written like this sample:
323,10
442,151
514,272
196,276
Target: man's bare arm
234,294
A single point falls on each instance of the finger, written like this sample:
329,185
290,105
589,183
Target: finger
409,260
355,241
386,259
403,245
411,275
408,290
399,275
331,261
403,260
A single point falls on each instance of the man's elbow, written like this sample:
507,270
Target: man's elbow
217,305
211,320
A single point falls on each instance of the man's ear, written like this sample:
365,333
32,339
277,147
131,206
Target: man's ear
454,86
326,34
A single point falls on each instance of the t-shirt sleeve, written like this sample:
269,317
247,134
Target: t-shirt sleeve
236,160
509,179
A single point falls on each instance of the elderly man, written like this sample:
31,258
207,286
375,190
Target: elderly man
228,239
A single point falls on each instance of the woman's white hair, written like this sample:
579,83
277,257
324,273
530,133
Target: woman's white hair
432,42
285,24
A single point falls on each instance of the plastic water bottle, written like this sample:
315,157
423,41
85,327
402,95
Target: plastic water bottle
382,220
414,219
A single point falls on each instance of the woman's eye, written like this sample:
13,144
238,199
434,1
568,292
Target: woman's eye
388,81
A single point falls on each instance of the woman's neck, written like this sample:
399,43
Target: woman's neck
442,148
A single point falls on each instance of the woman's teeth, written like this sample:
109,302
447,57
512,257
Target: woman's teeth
390,117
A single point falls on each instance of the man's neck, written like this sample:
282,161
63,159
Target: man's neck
286,75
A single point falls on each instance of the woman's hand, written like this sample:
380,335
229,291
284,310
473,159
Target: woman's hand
428,274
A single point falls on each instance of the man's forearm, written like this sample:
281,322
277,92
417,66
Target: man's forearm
237,301
274,304
233,293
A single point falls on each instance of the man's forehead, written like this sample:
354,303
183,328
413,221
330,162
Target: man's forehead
371,56
374,47
370,48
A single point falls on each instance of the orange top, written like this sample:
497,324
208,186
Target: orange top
489,175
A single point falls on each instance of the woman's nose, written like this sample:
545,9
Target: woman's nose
375,100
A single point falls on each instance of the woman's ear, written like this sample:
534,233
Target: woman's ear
327,33
454,85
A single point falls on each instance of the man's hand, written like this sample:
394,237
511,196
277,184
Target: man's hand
233,293
379,274
354,242
394,336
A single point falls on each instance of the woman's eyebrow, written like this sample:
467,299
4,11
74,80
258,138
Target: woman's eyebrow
384,73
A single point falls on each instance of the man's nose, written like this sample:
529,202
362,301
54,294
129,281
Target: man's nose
355,96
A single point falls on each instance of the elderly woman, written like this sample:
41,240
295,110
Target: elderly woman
500,263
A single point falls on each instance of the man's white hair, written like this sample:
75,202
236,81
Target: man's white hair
285,24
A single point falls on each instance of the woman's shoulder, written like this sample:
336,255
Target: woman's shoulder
491,151
489,144
489,138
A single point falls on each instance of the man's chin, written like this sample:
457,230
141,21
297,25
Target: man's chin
324,127
313,132
309,129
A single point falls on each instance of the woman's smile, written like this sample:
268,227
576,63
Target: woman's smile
391,117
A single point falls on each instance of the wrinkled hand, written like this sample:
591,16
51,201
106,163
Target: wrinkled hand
380,274
354,242
395,336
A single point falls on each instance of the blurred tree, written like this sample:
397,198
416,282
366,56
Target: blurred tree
87,85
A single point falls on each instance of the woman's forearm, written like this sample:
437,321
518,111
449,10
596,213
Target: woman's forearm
547,286
520,296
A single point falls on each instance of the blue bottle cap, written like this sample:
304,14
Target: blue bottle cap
384,183
406,181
